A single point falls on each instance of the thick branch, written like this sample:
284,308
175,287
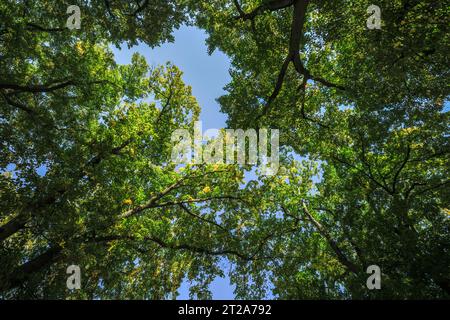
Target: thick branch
36,27
12,226
273,5
45,87
298,22
22,273
397,174
36,88
340,255
18,105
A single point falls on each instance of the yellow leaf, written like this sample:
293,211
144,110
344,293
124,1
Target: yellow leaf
206,189
127,202
79,48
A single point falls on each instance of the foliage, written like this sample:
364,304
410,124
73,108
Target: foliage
85,152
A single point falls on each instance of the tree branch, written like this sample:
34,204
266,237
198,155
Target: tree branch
339,253
397,174
36,27
23,272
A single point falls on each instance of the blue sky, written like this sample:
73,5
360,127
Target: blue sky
207,74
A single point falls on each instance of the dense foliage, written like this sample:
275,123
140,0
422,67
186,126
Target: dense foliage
85,151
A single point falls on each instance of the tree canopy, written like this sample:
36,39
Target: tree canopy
87,177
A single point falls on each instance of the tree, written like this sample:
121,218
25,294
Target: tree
368,106
86,172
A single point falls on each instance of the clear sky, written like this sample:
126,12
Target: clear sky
207,74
